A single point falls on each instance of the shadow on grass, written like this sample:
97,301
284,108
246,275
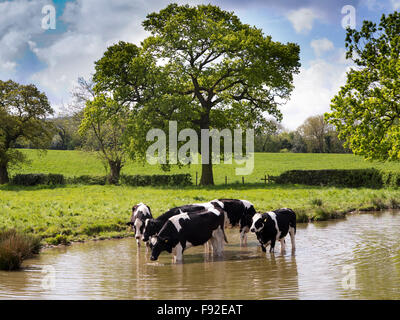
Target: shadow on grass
12,187
233,186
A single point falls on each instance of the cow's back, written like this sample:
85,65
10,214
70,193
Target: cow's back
199,227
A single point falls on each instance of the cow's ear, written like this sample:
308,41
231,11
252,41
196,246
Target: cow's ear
134,208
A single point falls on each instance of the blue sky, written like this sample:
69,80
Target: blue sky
54,59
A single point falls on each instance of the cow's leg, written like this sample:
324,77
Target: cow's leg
178,253
147,246
292,239
207,247
263,248
221,240
283,248
272,247
215,242
243,238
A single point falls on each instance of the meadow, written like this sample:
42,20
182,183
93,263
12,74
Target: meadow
60,214
76,163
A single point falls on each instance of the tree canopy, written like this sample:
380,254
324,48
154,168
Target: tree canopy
23,111
202,67
366,111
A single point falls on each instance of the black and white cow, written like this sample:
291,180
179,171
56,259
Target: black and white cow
140,213
239,212
189,229
274,225
153,226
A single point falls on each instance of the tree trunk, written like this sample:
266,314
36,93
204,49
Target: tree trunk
3,174
207,177
115,170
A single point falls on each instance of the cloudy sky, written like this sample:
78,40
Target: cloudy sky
53,59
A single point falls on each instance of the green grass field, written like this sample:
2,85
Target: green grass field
75,163
76,212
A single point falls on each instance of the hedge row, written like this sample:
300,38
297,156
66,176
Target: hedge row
371,178
132,180
33,179
157,180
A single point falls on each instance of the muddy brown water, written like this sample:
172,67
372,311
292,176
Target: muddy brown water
355,258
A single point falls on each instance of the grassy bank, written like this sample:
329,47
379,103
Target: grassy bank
63,214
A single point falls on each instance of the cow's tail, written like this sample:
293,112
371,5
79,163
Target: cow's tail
223,226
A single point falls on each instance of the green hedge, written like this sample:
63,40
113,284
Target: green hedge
33,179
157,180
371,178
89,180
134,180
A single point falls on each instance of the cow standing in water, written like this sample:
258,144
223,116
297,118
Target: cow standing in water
153,226
140,213
239,212
274,225
189,229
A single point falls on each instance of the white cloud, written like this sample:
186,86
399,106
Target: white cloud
315,86
395,4
321,45
93,25
302,19
20,21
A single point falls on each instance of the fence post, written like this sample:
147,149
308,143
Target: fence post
226,180
242,179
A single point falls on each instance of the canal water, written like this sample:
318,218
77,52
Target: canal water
354,258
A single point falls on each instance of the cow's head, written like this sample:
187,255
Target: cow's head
140,213
150,229
158,245
258,222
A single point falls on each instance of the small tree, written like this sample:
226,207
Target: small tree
313,130
366,111
104,120
23,110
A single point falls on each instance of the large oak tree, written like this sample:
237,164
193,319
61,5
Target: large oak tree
202,67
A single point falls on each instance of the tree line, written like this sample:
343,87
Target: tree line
315,135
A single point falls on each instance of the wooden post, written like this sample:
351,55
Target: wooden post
265,179
242,180
226,180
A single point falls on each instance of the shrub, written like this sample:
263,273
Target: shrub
32,179
391,179
371,178
59,239
15,247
